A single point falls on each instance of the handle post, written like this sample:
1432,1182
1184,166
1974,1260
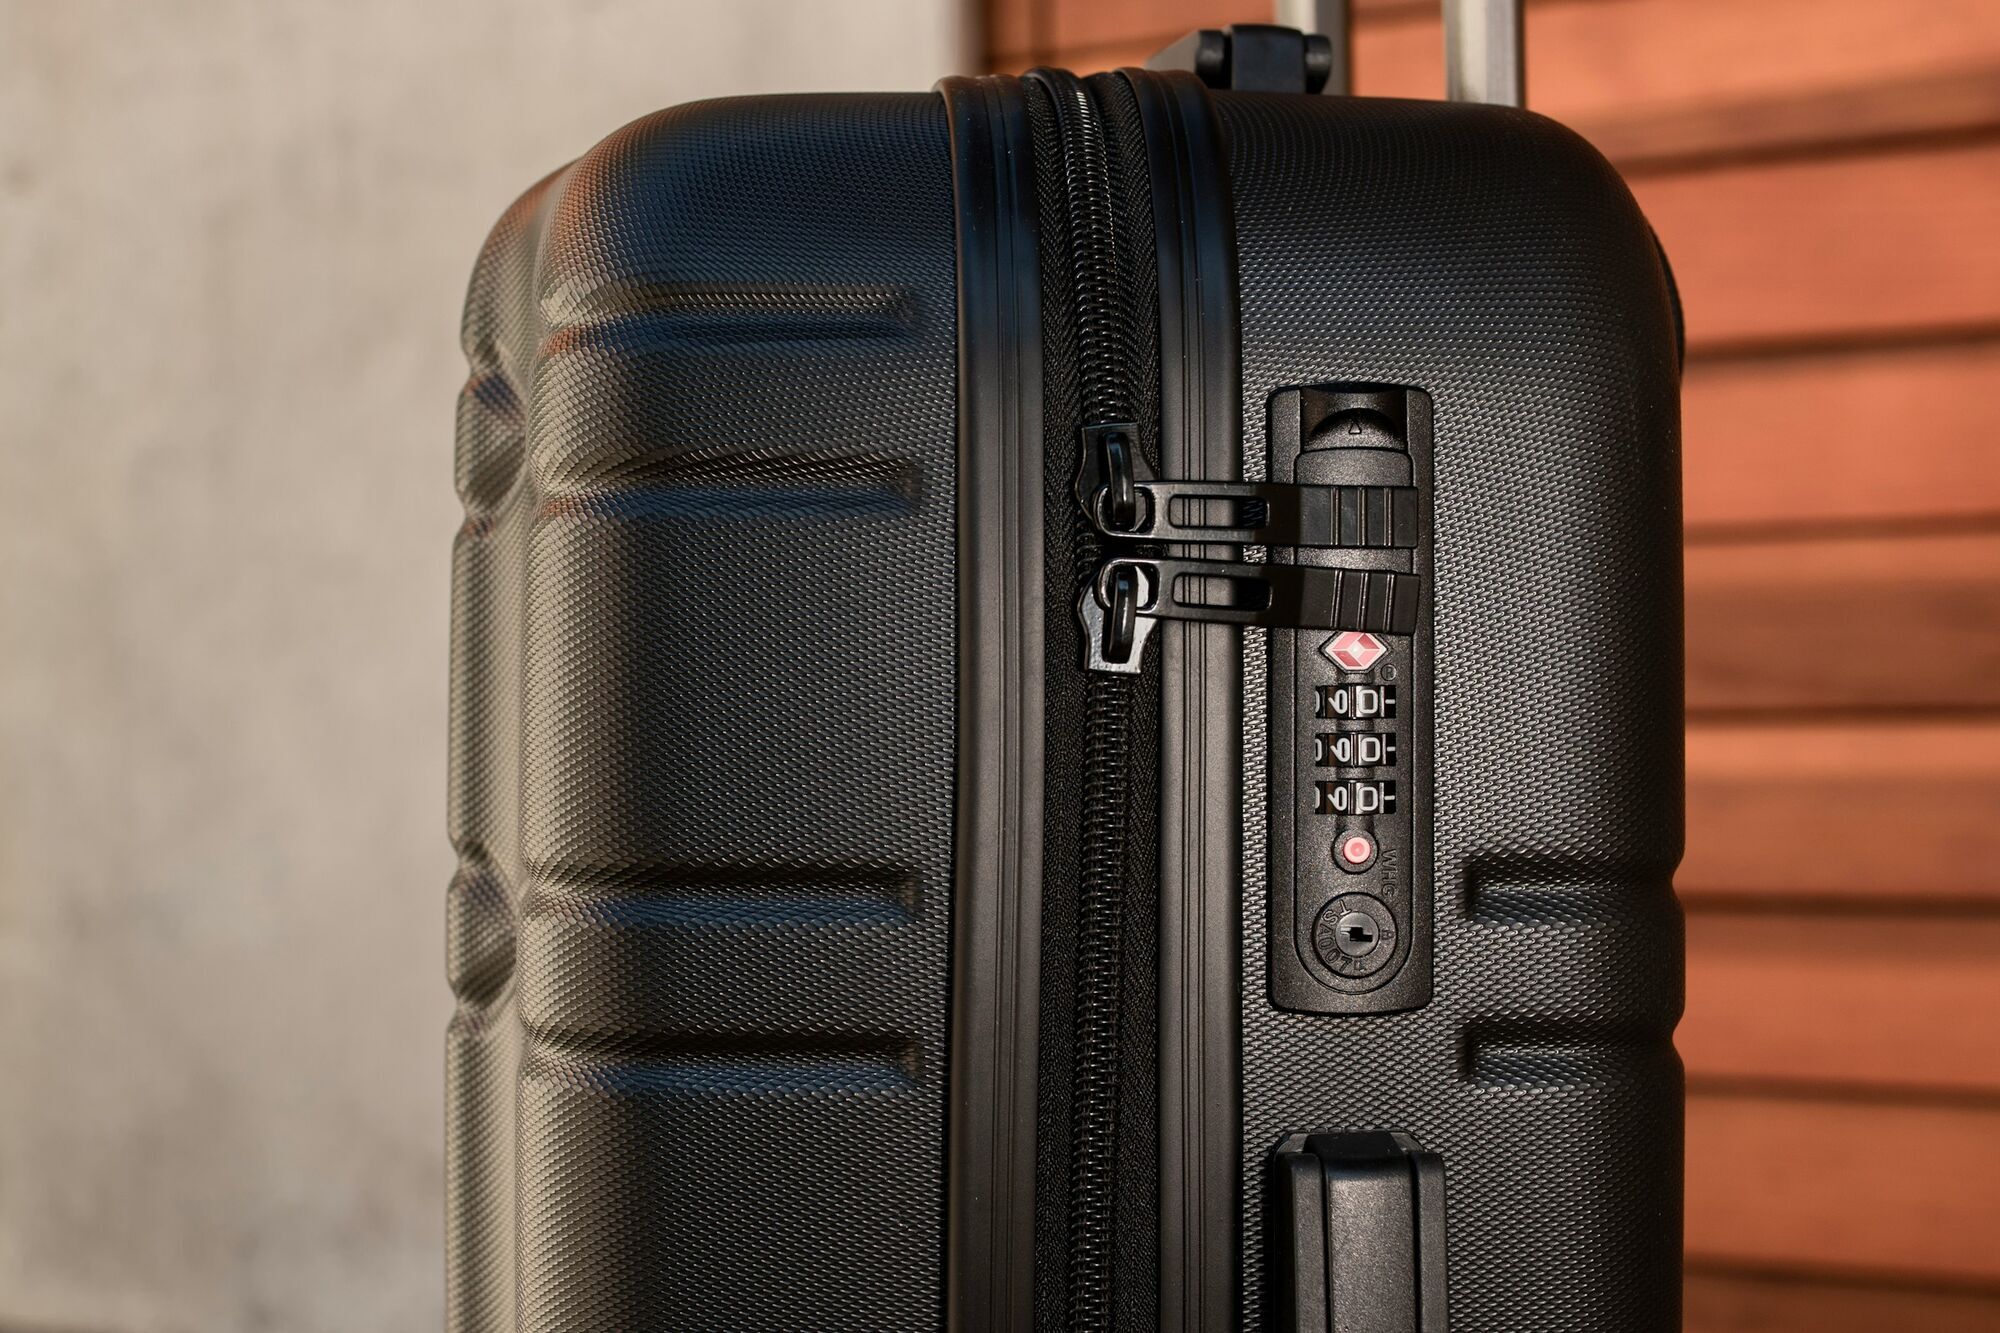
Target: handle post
1484,55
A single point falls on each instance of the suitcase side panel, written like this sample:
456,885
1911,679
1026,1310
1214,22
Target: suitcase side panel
1493,260
501,330
728,724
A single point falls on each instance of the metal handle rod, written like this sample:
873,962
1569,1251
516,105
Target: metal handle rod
1484,55
1329,18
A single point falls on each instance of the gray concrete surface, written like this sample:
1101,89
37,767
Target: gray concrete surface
234,237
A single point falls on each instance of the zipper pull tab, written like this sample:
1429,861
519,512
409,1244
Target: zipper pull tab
1125,501
1129,596
1108,470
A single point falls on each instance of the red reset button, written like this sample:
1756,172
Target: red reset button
1354,851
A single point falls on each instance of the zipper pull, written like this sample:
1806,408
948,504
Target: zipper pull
1126,502
1129,595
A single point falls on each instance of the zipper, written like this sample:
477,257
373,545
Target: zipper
1123,515
1121,497
1102,308
1129,594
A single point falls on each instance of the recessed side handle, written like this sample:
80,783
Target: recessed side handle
1362,1234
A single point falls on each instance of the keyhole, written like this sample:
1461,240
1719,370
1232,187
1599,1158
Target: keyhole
1356,933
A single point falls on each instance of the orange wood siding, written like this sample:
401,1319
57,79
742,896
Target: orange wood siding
1780,443
1826,176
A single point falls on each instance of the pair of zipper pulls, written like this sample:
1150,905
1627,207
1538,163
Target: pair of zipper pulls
1129,594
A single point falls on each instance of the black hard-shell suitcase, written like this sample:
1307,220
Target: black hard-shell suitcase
1066,714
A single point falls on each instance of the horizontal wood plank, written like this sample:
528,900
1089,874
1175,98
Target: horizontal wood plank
1726,1302
1908,1191
1626,60
1865,997
1625,65
1875,623
1928,105
1848,247
1073,25
1897,433
1012,30
1787,811
1118,55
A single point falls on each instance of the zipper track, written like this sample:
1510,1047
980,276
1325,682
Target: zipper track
1095,276
1102,313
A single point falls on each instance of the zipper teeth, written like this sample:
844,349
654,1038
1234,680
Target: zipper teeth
1093,249
1104,396
1100,978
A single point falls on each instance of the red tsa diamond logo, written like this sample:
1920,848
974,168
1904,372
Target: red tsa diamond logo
1354,650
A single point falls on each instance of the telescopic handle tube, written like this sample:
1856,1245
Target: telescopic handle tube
1484,56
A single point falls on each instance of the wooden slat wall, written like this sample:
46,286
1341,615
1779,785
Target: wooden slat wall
1826,177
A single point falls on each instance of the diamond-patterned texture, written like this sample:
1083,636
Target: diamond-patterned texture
703,709
702,742
1492,259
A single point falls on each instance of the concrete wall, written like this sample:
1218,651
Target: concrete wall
234,236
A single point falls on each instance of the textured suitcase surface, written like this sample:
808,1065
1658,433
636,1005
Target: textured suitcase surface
703,711
1495,260
773,753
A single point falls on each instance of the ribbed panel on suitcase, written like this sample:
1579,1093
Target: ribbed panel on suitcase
754,1034
702,731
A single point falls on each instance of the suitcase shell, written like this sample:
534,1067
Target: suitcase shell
1493,258
762,660
703,709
